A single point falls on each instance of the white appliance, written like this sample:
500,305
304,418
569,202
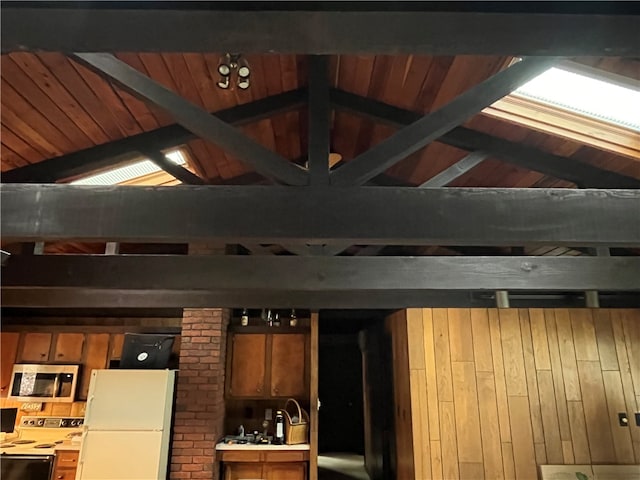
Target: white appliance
29,452
127,425
43,383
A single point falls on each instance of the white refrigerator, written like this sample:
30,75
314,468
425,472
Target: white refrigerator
127,425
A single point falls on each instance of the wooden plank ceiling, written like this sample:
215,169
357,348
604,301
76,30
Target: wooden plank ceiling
53,106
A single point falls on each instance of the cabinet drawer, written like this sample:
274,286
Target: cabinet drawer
252,456
284,456
66,458
64,474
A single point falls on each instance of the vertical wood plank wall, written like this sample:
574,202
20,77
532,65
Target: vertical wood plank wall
494,393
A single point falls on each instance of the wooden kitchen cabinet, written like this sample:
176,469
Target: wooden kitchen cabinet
246,466
8,351
288,377
248,365
266,365
65,465
35,348
284,471
69,348
243,471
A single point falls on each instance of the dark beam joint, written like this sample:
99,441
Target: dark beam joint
192,117
422,132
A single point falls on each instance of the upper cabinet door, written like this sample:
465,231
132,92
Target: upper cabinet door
288,372
69,347
248,365
35,348
8,350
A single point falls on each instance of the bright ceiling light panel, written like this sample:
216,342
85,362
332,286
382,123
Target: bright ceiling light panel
129,172
586,95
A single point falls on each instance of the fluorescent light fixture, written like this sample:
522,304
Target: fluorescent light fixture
608,101
129,172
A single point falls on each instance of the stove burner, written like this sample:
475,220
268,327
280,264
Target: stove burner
45,445
7,445
23,442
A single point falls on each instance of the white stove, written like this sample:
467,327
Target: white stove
40,435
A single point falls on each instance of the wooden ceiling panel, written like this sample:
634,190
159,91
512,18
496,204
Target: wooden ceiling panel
427,162
58,93
465,72
64,72
52,105
627,67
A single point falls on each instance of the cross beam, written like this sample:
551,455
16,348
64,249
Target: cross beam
110,154
194,118
435,124
316,281
365,215
130,28
464,138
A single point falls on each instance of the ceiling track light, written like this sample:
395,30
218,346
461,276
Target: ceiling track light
233,64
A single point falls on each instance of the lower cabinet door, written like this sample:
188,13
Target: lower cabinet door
243,471
64,474
285,471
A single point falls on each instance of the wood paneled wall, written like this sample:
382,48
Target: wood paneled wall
494,393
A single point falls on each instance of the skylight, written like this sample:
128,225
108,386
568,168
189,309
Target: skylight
586,95
129,172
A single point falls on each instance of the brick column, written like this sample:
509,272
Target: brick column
199,408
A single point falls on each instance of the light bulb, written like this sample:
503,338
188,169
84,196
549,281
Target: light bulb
243,83
224,69
224,82
244,71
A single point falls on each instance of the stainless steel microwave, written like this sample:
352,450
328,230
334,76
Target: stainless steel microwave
43,383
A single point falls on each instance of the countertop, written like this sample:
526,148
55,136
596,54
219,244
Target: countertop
68,446
249,446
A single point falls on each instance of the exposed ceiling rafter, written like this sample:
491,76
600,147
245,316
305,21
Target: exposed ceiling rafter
531,158
429,127
194,118
110,154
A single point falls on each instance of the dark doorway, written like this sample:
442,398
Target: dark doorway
340,392
349,429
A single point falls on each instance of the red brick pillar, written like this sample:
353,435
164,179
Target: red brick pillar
199,408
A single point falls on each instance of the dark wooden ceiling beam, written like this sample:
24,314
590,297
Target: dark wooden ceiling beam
440,180
194,118
173,169
51,298
413,137
365,216
346,282
113,153
319,120
456,170
378,29
461,137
